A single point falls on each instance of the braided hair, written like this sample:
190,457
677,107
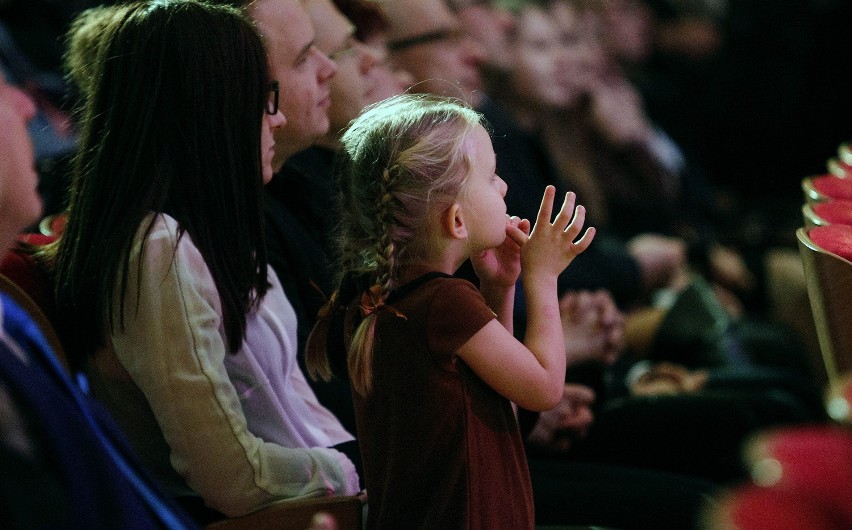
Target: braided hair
402,160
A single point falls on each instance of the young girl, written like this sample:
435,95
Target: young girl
432,360
161,273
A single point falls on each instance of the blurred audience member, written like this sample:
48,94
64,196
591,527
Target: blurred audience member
303,211
62,462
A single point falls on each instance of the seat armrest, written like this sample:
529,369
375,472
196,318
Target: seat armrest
348,511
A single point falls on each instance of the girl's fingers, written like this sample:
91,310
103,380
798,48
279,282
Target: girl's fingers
583,243
546,208
573,229
564,217
564,225
517,233
523,224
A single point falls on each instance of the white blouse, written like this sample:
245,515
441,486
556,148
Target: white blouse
240,430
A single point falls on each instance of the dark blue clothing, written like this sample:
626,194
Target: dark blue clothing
77,460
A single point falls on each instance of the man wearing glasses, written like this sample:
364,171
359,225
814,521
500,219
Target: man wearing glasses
426,38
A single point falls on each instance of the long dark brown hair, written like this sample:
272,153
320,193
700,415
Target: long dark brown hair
172,125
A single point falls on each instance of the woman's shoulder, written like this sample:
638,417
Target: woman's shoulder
159,239
160,230
158,225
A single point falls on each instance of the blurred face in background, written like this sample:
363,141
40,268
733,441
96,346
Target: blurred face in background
20,203
582,60
302,71
351,86
628,30
388,78
426,38
490,26
536,60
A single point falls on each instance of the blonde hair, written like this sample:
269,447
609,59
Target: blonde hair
401,160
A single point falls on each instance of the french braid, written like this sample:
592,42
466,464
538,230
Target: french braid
401,159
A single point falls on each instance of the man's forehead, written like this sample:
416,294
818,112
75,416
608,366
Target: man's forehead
333,28
283,21
286,29
411,17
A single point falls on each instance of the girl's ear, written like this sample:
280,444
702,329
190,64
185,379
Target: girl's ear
453,222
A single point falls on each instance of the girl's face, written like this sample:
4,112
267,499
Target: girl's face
535,74
482,198
269,124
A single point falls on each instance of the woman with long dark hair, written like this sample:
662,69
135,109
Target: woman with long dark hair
161,276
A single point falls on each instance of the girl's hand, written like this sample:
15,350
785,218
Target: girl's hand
550,247
499,267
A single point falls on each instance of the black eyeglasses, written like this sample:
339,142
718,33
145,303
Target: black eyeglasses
272,102
450,35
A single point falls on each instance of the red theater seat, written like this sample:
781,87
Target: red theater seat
828,186
801,479
826,252
833,211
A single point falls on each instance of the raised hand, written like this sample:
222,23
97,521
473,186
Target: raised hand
550,247
617,113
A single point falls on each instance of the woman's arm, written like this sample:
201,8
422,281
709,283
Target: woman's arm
173,348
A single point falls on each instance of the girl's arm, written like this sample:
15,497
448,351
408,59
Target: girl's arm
532,374
173,349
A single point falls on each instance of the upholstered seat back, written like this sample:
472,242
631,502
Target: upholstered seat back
834,211
826,253
829,186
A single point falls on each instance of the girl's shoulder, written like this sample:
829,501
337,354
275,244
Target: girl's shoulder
453,295
430,283
455,311
441,292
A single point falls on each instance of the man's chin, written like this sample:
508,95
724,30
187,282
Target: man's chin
287,145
